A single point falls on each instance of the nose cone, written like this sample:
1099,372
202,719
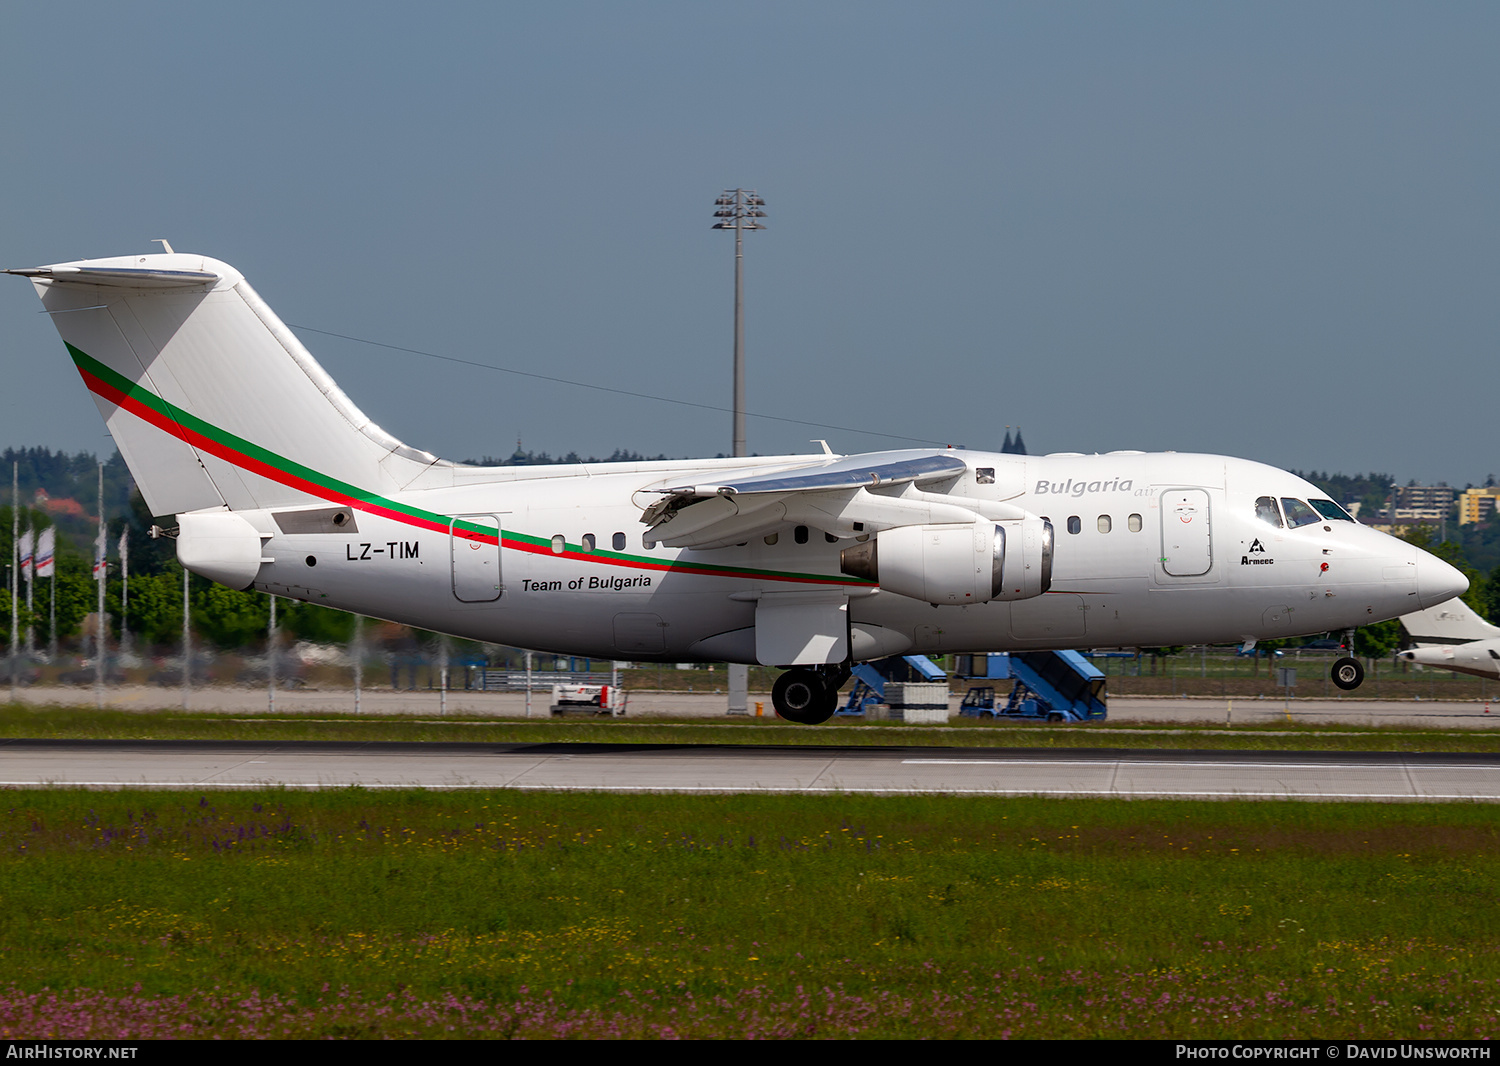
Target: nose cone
1437,582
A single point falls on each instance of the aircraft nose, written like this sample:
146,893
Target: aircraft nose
1438,582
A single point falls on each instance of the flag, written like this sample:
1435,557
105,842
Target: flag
26,555
125,550
46,546
101,564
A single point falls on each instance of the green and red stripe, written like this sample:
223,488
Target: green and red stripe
169,418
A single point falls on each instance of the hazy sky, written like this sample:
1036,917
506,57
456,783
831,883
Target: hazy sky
1267,230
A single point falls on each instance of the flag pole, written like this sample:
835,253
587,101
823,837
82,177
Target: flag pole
359,658
101,567
28,572
271,660
187,644
15,558
124,593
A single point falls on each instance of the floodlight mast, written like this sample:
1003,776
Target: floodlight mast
739,210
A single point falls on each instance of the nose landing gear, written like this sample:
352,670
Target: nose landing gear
1347,673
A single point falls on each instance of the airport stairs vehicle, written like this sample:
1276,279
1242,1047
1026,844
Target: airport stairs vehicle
872,677
1059,686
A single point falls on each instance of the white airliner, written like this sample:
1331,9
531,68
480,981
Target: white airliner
809,562
1453,636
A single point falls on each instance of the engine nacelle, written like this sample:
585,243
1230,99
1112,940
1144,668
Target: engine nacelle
957,564
1028,559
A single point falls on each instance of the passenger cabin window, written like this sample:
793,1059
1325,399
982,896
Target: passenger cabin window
1265,510
772,538
588,542
1298,513
558,544
1075,524
1134,523
800,534
619,542
1104,523
1331,511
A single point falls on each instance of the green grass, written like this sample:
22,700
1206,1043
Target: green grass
510,913
346,913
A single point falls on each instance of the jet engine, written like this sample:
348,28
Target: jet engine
951,563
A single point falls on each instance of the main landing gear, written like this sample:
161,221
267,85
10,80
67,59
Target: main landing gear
1348,673
808,695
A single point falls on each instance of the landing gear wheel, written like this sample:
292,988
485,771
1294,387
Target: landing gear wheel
801,696
1348,673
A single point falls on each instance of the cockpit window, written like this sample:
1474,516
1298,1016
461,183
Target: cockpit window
1265,510
1298,513
1331,511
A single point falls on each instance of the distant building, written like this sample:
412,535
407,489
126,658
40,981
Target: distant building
1475,505
61,506
1423,503
1415,505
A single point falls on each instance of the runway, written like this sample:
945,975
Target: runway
728,769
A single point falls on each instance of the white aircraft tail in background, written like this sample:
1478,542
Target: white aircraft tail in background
1454,622
1452,636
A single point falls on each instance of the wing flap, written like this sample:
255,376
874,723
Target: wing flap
802,628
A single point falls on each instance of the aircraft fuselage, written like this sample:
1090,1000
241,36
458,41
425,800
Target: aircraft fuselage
1149,550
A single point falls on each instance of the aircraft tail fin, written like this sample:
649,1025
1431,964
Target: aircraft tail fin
1454,622
211,399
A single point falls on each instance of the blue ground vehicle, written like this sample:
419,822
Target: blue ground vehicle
1059,686
872,677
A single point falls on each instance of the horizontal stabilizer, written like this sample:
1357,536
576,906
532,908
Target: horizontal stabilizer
117,277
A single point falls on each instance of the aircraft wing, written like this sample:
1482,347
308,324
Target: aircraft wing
852,471
844,498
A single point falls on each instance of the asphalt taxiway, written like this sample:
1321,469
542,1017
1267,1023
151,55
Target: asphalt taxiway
696,767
